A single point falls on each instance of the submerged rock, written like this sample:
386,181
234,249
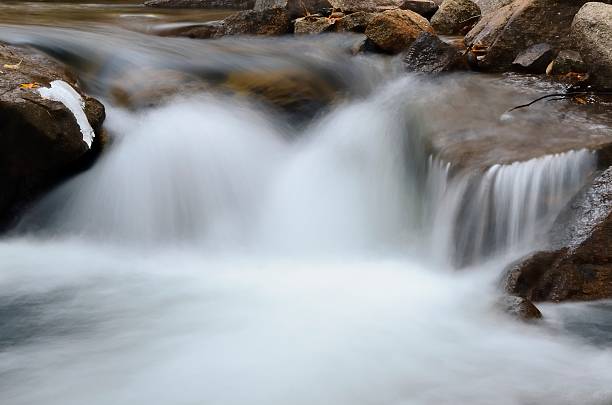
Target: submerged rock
429,54
395,30
454,16
535,59
519,308
500,36
228,4
41,141
314,24
592,36
206,30
578,265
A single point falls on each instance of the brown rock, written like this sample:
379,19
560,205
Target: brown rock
519,307
500,36
395,30
226,4
356,22
592,36
313,25
40,140
352,6
426,8
275,21
429,54
454,16
579,263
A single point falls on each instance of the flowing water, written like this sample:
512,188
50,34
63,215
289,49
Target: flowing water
220,253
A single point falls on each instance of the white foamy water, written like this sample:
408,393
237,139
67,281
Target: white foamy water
208,259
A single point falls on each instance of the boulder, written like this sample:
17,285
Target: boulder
41,141
534,59
356,22
275,21
314,24
567,62
426,8
519,307
455,17
429,54
578,263
225,4
353,6
295,8
395,30
500,36
592,36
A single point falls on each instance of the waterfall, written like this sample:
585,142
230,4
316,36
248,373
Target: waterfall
507,208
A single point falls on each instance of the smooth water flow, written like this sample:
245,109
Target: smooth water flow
218,254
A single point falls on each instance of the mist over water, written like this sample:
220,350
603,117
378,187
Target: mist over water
215,254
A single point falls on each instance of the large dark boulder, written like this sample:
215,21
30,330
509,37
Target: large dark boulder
535,59
40,139
592,36
395,30
429,54
578,264
500,36
224,4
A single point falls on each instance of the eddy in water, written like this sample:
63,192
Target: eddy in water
226,249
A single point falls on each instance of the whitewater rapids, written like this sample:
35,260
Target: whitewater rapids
209,259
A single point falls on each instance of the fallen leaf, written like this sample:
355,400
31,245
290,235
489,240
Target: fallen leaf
13,67
581,100
29,85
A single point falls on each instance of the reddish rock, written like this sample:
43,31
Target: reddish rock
395,30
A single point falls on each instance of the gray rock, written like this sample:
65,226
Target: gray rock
535,59
429,54
592,36
295,8
567,62
455,16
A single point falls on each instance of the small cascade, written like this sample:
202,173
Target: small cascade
506,209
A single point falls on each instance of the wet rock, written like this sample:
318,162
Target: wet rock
534,59
519,307
40,140
500,36
429,54
227,4
207,30
592,36
314,24
395,30
295,8
578,264
275,21
356,22
299,93
426,8
567,62
455,16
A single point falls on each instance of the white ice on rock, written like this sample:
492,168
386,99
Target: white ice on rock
67,95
